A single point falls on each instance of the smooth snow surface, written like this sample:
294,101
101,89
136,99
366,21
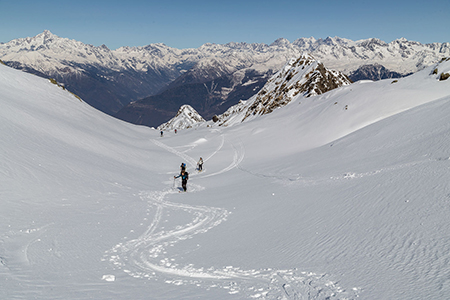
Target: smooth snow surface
343,196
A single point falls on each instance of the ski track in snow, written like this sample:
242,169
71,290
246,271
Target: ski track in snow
222,142
184,156
308,181
148,255
237,159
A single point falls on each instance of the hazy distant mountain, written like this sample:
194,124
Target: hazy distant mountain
373,72
211,78
209,98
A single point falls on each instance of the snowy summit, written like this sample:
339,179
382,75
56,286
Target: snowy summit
186,117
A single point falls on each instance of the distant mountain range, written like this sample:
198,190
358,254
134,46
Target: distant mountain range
147,85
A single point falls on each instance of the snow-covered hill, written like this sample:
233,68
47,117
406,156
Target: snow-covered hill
342,196
187,117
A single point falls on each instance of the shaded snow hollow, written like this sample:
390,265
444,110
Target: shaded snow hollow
338,196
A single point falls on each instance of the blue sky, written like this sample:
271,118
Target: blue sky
189,24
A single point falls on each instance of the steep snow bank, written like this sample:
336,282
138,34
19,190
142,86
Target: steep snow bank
319,120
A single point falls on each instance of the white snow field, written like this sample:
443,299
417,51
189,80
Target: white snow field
340,196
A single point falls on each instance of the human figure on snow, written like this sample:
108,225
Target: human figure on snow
200,164
175,131
183,167
162,133
184,178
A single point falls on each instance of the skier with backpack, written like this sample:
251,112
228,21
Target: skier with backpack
200,164
184,178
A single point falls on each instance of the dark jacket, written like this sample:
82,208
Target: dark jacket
184,176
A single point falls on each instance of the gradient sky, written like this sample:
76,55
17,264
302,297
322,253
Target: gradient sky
189,24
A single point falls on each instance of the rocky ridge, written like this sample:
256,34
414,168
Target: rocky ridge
303,76
186,117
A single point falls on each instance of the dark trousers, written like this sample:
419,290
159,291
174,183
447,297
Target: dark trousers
183,184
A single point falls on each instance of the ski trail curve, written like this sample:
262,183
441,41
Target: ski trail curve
184,156
154,255
238,156
237,159
222,142
144,256
148,257
188,159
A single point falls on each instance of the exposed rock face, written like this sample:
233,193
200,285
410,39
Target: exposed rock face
209,98
304,77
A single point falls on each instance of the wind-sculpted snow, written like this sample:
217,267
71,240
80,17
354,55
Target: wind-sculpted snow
154,256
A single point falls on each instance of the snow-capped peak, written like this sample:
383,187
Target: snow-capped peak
304,76
49,54
45,36
282,42
186,117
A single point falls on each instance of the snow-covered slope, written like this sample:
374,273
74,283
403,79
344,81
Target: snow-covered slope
323,118
187,117
343,196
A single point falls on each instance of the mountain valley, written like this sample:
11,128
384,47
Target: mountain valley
147,85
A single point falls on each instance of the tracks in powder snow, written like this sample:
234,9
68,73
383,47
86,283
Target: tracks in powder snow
153,254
